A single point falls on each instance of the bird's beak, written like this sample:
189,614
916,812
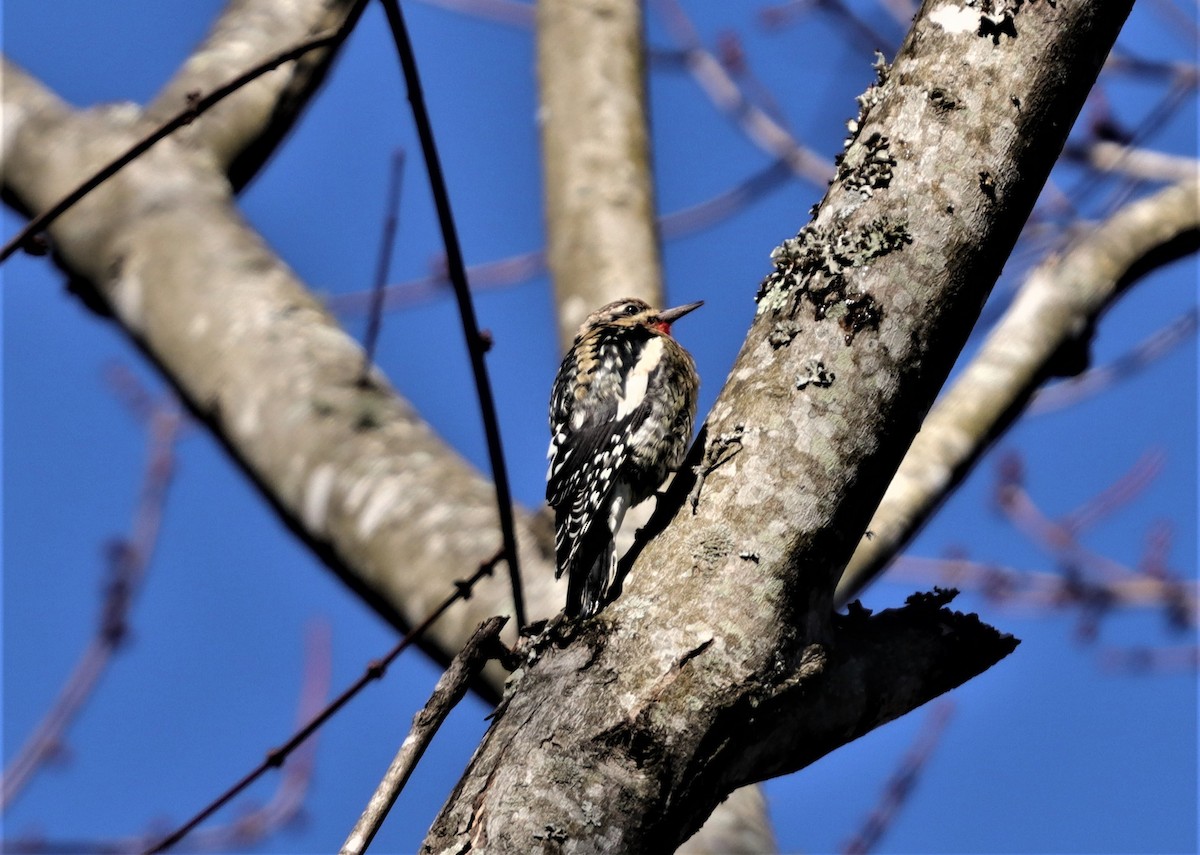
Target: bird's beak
670,316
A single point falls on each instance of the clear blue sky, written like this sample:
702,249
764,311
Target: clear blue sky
1047,752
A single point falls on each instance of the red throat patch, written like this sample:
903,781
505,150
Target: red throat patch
663,327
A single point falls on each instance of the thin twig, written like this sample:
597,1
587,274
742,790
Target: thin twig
1036,592
1116,495
1065,393
865,38
450,688
194,109
128,559
458,277
723,91
1162,111
900,785
1151,660
374,671
284,806
384,264
1017,506
517,269
1038,335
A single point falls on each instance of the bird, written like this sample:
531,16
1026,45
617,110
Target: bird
621,415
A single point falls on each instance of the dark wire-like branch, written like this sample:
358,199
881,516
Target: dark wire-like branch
194,109
128,560
374,671
481,647
387,242
457,271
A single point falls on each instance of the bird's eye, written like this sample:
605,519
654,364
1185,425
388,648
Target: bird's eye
631,309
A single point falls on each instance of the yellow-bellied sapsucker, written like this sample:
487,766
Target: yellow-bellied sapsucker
621,417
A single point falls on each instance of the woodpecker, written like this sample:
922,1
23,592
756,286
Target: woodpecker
621,416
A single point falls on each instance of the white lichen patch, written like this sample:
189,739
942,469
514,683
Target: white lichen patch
956,19
247,421
316,498
382,499
127,296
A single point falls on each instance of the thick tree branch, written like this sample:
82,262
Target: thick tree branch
350,467
731,606
601,233
875,669
602,242
243,132
1045,331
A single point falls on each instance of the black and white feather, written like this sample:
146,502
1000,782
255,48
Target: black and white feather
621,417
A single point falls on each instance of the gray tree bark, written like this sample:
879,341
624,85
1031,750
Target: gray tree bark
919,221
162,250
722,663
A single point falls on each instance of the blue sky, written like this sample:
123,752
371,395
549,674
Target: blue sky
1047,752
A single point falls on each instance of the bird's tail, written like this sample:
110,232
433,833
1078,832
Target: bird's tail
589,577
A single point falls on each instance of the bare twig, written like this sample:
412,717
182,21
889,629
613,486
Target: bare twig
900,785
288,799
194,109
458,277
1035,591
374,671
128,559
1167,106
1056,396
285,804
865,37
450,688
1151,660
387,241
1117,494
1045,325
1056,537
517,269
721,89
1140,163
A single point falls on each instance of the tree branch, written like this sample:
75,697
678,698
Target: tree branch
450,688
602,241
351,468
731,606
243,133
1050,321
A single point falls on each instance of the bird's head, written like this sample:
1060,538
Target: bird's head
632,312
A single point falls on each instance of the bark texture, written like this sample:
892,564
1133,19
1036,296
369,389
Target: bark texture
726,620
161,250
